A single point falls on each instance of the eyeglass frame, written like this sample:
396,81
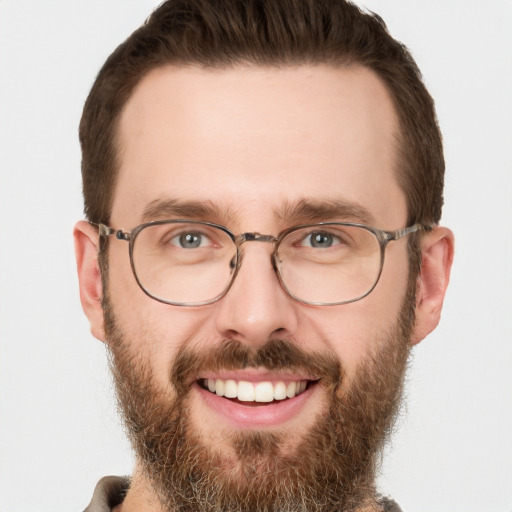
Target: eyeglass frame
383,237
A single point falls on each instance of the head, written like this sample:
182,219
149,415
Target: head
260,116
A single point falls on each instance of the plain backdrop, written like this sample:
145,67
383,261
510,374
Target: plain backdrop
59,431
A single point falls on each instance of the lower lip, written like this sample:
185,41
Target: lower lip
249,416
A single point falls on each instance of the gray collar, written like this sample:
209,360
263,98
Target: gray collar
111,490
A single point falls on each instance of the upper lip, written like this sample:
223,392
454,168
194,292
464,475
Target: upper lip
257,375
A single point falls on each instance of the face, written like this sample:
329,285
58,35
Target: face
260,150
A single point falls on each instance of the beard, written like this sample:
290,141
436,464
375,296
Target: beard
331,468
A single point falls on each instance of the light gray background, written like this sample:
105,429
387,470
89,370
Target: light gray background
58,428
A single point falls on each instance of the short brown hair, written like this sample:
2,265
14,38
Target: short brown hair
223,33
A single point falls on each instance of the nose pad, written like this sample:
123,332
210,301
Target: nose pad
276,264
232,263
256,308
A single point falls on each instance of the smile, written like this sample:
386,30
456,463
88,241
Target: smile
256,398
263,392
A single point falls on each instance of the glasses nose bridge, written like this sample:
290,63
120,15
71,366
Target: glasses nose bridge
254,237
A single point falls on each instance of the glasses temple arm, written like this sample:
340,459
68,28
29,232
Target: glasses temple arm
104,230
400,233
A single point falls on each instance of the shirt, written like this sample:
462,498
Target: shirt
111,490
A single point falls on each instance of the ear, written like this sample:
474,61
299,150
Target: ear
89,277
437,257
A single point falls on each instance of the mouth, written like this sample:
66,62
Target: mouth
263,392
249,400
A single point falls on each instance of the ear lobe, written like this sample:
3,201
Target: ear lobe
437,256
89,277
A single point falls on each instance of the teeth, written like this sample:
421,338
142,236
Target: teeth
264,392
291,390
230,389
219,387
246,392
255,392
280,391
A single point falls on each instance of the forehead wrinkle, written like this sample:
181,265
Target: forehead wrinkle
168,208
311,210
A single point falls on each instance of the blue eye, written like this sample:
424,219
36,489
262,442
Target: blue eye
321,239
190,240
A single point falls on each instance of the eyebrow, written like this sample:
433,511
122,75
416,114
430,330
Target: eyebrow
310,210
200,210
302,211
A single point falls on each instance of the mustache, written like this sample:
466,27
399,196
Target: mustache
276,354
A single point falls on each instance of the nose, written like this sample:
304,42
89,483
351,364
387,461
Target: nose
256,308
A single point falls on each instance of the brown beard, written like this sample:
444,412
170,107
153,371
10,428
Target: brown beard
331,469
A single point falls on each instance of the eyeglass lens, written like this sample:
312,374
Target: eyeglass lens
191,263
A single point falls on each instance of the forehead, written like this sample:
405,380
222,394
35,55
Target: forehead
255,140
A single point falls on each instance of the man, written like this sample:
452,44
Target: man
263,184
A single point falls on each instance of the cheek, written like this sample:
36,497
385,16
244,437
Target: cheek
353,330
152,330
157,332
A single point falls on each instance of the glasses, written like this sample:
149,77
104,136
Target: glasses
191,263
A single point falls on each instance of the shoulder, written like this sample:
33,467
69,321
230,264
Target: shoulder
108,493
388,505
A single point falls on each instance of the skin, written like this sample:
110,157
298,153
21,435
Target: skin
250,140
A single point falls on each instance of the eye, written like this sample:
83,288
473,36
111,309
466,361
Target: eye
190,240
320,239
